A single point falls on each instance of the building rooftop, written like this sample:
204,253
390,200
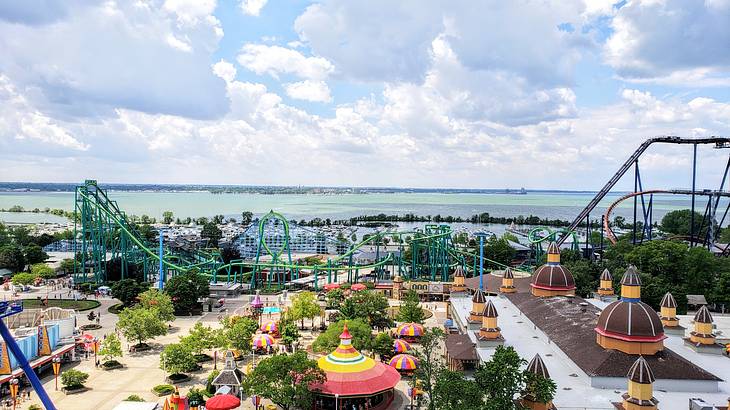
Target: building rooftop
570,324
461,347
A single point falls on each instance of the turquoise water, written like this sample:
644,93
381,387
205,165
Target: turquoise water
271,309
307,206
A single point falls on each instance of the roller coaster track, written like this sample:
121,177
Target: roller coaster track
607,217
99,207
719,142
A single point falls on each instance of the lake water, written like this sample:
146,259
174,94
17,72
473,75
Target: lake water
195,204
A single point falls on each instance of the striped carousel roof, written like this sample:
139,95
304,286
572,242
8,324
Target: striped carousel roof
606,275
349,373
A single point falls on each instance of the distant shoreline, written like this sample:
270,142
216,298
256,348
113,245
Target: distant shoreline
38,187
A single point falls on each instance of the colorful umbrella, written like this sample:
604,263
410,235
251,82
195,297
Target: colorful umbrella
262,341
403,362
410,329
269,327
401,346
358,286
331,286
222,402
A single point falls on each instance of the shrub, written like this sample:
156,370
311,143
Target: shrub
164,389
133,397
73,379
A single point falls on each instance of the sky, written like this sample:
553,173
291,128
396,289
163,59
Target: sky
459,94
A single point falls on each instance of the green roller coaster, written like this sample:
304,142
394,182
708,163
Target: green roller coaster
538,235
106,235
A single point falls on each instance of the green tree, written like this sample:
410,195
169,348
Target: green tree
240,332
383,345
212,233
430,363
304,306
721,293
111,347
328,340
501,378
158,301
499,250
334,298
452,390
177,358
539,388
12,257
134,397
67,266
185,290
678,222
167,217
199,338
410,311
285,380
368,305
24,279
140,324
289,333
34,254
246,217
42,270
127,290
73,379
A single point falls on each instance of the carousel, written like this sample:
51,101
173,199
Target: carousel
354,380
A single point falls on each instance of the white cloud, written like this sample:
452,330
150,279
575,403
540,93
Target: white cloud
190,11
309,90
275,60
252,7
139,57
671,42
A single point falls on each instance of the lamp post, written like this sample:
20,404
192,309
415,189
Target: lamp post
215,359
56,368
13,390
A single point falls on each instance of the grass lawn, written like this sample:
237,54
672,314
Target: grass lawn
62,303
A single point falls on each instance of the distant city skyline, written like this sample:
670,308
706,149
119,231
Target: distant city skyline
335,93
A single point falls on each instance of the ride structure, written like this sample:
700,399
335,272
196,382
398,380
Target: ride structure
639,192
109,246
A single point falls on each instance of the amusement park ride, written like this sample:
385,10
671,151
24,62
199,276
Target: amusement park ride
105,233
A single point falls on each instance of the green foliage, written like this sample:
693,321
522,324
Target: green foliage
212,233
501,378
410,311
167,217
430,363
34,254
199,338
586,275
289,333
42,270
499,250
285,380
196,394
678,222
369,306
539,388
127,290
12,257
328,340
73,378
111,347
185,290
335,298
134,397
177,358
453,391
238,334
721,293
66,265
246,217
304,306
383,345
24,278
140,324
158,301
209,383
164,389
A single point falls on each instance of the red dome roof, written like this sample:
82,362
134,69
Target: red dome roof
630,321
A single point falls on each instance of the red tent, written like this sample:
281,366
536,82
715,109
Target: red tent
331,286
358,286
222,402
